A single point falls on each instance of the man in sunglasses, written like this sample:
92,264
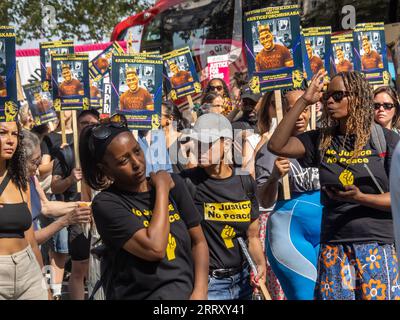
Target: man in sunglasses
273,55
64,181
249,117
370,59
136,98
344,64
180,77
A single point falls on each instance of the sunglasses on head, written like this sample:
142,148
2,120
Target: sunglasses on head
102,131
337,96
218,88
386,105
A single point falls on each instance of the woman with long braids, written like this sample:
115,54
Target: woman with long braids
357,257
20,257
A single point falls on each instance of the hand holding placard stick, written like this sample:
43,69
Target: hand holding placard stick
253,267
279,117
313,116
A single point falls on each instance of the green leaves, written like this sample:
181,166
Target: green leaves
77,20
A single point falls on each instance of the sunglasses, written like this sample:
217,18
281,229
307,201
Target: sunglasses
386,105
337,96
218,88
102,132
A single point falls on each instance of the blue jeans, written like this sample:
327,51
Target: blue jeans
236,287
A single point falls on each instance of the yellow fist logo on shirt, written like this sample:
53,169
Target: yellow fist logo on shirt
227,234
346,178
171,247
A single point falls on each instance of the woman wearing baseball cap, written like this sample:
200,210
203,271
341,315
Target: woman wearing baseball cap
228,209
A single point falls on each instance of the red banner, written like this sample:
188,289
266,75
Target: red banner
143,18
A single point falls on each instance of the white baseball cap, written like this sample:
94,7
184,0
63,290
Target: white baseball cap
210,127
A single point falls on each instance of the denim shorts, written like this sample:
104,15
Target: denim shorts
58,243
236,287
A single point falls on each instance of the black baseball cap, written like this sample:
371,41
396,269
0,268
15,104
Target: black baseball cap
93,112
248,94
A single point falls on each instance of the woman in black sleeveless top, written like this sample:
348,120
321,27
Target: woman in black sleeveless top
20,258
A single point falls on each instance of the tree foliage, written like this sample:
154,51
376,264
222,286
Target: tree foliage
75,19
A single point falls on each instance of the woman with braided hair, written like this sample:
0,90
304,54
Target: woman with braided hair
357,258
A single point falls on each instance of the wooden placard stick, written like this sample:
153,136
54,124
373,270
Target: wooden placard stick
76,147
279,117
313,116
193,115
63,134
129,47
20,92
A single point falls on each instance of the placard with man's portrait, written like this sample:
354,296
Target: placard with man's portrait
70,81
343,52
47,49
370,46
40,103
8,85
136,83
273,48
101,64
181,75
316,47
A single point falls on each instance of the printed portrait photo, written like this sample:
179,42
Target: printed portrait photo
272,41
178,71
69,79
136,87
95,89
315,47
42,102
343,58
103,62
369,50
47,58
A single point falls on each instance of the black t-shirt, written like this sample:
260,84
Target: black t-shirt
62,167
343,221
226,212
52,142
119,214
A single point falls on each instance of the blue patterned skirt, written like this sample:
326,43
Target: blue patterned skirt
358,271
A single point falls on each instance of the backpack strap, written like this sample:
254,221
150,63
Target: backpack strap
107,272
378,140
4,183
248,187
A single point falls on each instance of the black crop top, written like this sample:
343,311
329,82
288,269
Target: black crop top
15,218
